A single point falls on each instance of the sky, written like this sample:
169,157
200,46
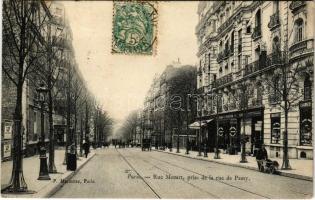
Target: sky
120,82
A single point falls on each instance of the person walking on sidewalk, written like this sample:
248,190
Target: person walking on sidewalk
261,155
86,147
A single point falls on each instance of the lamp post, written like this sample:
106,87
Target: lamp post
217,155
243,87
200,129
188,104
43,172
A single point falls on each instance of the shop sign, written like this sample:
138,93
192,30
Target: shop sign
6,150
232,131
275,114
220,131
7,130
306,104
253,114
225,117
233,121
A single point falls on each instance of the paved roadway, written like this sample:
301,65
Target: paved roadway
131,173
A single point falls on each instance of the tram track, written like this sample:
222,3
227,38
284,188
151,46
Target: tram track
191,171
133,168
174,165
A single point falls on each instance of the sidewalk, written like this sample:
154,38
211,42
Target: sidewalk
43,188
301,169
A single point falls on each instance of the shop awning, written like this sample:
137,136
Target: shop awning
197,124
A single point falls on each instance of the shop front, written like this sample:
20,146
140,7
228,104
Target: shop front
228,133
305,149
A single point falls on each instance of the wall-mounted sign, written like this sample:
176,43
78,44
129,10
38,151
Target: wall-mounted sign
306,104
6,150
220,131
232,131
7,130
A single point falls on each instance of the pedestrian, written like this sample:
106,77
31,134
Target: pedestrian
261,155
86,147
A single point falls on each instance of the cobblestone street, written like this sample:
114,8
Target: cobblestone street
121,173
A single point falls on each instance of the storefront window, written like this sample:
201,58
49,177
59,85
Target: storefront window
307,88
305,126
275,128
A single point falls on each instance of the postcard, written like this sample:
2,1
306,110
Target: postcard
157,99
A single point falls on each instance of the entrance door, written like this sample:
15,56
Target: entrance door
257,138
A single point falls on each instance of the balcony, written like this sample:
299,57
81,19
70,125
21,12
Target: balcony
225,107
225,25
296,5
223,80
232,105
226,53
256,102
274,21
301,48
272,59
256,33
239,48
220,57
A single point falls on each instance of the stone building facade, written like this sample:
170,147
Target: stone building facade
58,31
250,53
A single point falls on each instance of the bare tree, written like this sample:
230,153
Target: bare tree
282,87
22,51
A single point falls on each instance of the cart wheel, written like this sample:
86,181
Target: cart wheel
272,170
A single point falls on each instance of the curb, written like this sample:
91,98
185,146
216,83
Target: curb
286,174
68,177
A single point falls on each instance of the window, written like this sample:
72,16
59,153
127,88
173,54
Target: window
209,62
307,88
239,62
306,126
232,42
275,6
214,27
299,26
258,19
275,128
240,41
276,95
275,45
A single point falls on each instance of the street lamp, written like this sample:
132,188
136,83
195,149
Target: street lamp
177,151
243,87
43,172
216,155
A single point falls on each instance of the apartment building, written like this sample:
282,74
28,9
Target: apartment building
256,61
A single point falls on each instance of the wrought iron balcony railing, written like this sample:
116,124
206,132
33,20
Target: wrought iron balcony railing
274,21
220,57
256,102
225,25
232,105
223,80
256,33
302,47
295,5
276,58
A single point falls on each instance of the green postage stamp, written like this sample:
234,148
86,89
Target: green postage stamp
134,27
